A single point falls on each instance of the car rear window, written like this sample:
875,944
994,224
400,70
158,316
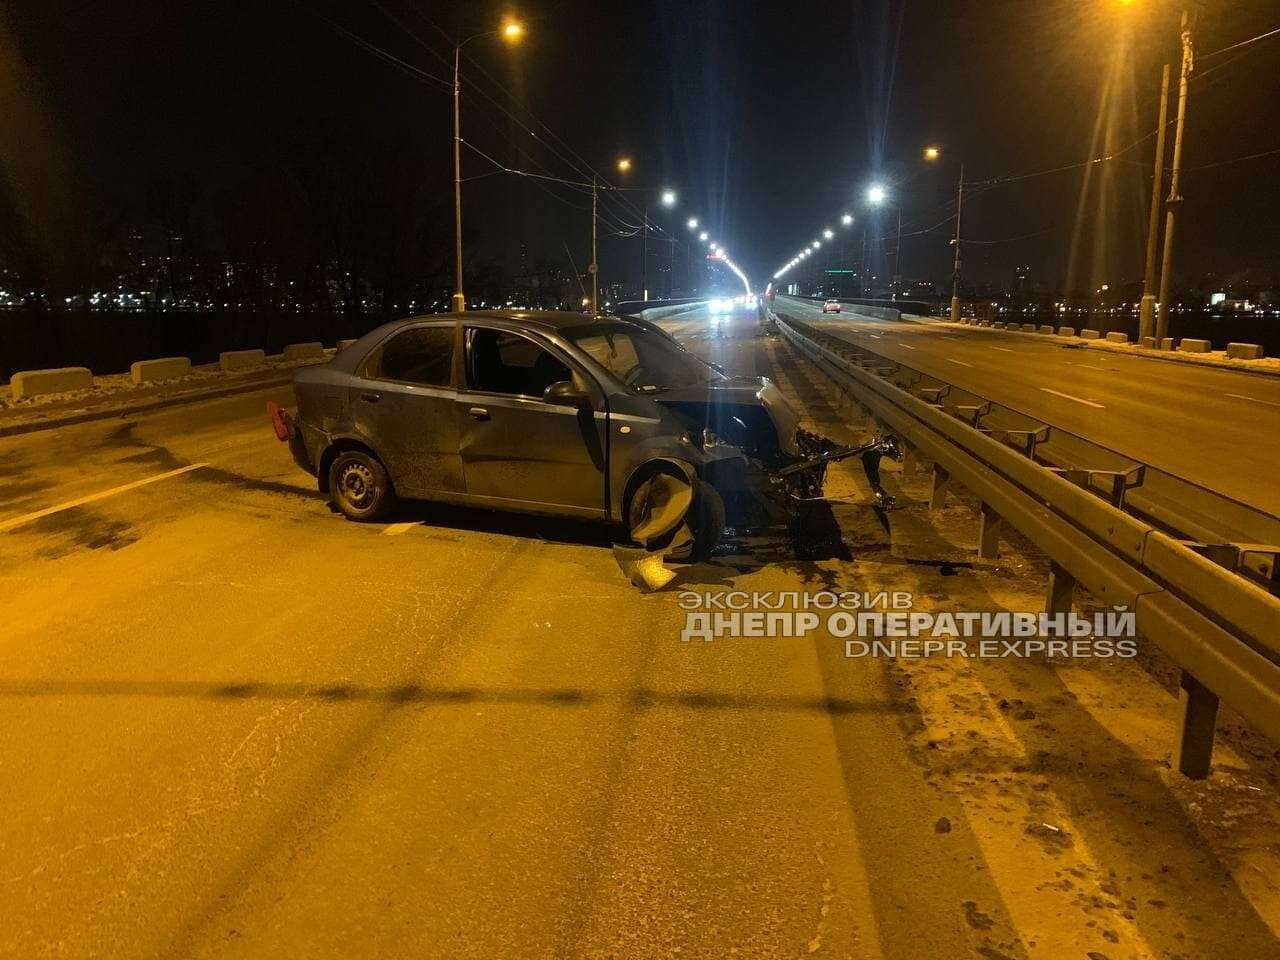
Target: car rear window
419,355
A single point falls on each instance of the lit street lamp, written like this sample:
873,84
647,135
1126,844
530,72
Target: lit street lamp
512,31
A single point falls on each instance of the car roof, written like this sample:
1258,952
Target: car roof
544,321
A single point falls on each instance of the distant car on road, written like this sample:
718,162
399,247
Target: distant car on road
551,413
831,306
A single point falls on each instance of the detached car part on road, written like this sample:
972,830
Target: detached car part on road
603,418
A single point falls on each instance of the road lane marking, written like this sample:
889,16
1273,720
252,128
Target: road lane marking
1067,396
908,346
1004,349
100,495
1238,396
395,529
960,362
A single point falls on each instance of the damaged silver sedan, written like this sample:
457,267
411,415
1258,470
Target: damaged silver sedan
554,413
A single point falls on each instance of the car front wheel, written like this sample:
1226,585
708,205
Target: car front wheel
360,486
705,520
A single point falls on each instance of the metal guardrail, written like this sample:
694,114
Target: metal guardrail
1233,533
1222,630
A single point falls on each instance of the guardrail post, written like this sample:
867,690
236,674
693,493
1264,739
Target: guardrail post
1062,589
940,480
910,461
989,524
1199,708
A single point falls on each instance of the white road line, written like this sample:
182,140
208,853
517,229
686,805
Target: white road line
959,362
1067,396
1238,396
100,495
395,529
1004,349
908,346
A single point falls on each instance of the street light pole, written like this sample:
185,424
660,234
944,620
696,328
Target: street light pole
512,31
1175,198
671,275
897,257
594,268
459,298
955,270
1147,311
644,265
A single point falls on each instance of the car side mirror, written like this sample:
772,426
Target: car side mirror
565,393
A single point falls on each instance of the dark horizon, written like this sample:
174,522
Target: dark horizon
275,136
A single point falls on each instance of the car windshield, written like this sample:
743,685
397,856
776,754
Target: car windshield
646,362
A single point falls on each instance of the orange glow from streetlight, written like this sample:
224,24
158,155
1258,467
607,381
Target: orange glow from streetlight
624,164
932,153
512,31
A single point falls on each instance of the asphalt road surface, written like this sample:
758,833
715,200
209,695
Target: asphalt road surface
1217,428
234,724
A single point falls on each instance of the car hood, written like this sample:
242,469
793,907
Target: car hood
724,395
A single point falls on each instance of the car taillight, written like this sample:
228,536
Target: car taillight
281,422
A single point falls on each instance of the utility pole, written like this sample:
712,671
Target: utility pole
897,257
594,268
862,265
671,277
1174,199
459,298
955,270
1147,312
644,267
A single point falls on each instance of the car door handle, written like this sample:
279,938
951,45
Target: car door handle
370,397
479,413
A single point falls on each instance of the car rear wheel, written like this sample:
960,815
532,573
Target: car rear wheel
360,486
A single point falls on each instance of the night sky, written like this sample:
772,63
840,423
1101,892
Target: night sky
768,118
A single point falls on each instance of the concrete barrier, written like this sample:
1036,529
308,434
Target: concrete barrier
1244,351
1090,334
162,368
1046,328
1028,328
232,361
1066,331
880,313
1117,337
343,344
1191,345
32,383
304,351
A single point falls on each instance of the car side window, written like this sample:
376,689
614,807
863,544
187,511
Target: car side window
503,362
422,355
